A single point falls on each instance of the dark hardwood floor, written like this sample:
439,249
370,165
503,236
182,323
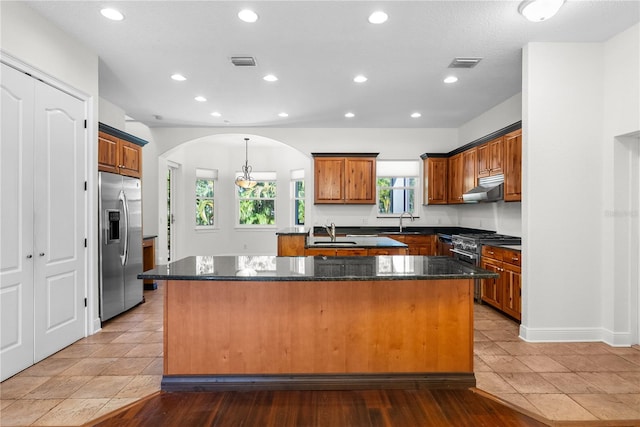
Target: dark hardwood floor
359,408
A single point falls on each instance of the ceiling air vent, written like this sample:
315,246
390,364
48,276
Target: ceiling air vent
243,61
464,62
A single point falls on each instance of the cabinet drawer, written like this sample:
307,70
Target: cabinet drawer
512,257
492,252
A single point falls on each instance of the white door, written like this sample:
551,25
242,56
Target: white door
59,224
16,222
42,221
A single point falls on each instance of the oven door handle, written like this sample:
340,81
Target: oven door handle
459,252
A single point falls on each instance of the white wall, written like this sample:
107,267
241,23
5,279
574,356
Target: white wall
48,51
563,97
502,217
620,153
111,114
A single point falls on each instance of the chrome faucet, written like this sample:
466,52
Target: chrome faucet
401,215
331,229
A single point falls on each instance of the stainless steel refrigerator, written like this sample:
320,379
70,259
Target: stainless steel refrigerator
120,207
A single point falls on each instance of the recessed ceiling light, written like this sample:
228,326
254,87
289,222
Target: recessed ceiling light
200,98
539,10
283,114
270,78
178,77
216,114
349,115
378,17
360,78
248,15
451,79
112,14
416,115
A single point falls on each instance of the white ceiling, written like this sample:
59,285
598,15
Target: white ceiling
316,48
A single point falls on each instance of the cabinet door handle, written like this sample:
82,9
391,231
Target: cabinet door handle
41,253
29,256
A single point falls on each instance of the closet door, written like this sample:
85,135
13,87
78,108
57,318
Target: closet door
59,224
16,222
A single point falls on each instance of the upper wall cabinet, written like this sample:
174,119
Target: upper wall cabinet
448,176
345,178
435,186
490,158
513,166
119,152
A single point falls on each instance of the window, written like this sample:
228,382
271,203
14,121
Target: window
205,203
297,184
257,205
396,186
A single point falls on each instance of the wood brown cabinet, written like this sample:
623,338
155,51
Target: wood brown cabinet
345,179
504,293
291,244
117,155
435,186
469,174
490,158
513,166
454,175
418,244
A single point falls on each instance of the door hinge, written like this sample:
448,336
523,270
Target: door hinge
85,124
85,302
85,243
85,186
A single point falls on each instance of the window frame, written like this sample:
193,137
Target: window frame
206,175
296,177
398,169
259,177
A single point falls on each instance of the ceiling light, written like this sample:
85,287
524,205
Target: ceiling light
349,115
112,14
270,78
216,114
360,78
248,15
200,98
450,79
178,77
378,17
539,10
283,114
245,180
416,115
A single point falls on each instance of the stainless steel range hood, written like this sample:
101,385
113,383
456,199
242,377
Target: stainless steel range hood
489,189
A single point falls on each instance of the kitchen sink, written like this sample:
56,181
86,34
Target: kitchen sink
336,243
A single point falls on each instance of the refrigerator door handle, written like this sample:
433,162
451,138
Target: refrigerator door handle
125,208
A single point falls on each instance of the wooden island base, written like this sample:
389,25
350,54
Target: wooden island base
239,335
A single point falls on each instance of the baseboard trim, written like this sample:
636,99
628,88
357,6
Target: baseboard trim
615,339
318,382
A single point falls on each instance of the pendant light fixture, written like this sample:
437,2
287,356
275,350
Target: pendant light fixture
245,180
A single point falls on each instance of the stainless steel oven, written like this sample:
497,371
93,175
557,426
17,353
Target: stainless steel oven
467,248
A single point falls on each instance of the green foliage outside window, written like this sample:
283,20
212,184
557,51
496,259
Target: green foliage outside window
257,204
204,202
299,202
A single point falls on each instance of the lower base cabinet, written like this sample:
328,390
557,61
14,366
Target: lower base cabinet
505,292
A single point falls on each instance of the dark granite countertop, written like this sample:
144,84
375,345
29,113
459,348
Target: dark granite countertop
292,231
272,268
354,242
427,230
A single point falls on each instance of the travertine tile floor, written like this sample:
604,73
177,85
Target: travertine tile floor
123,363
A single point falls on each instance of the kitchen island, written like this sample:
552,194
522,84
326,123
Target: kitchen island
247,322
